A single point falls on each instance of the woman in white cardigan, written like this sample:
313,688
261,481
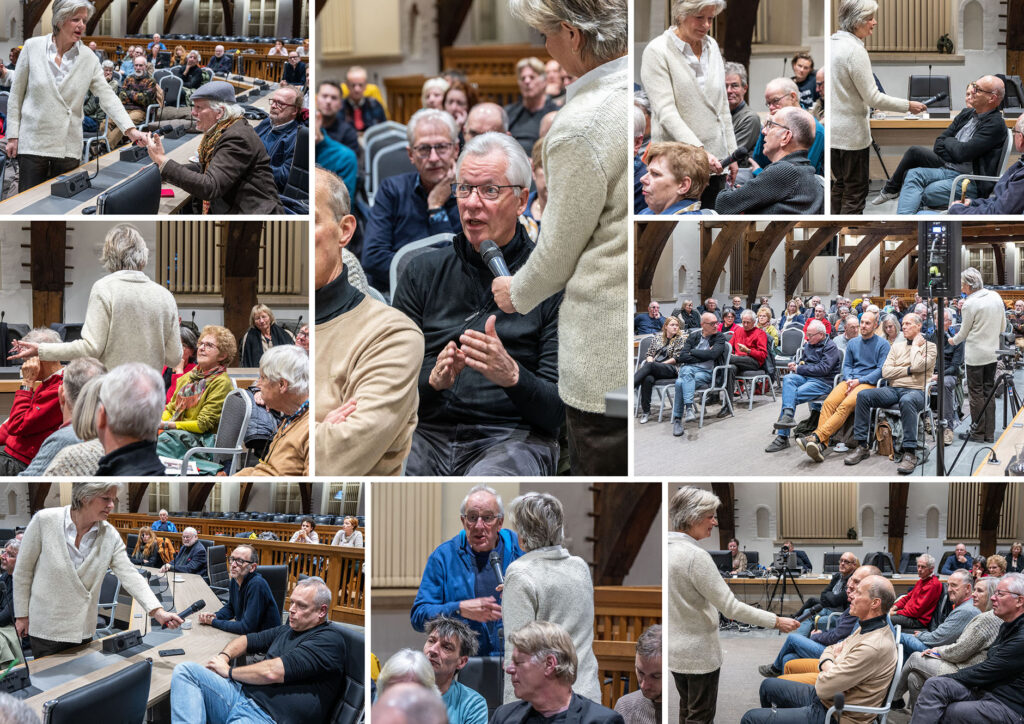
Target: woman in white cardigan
546,583
684,77
696,595
48,93
852,95
64,557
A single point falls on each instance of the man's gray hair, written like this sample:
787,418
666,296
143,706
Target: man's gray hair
748,314
321,595
816,325
1019,125
1015,582
254,555
13,545
403,664
133,397
337,193
912,317
107,64
928,559
786,85
433,116
538,519
648,646
16,711
963,574
81,493
737,69
639,121
64,10
801,125
481,488
682,9
290,363
602,23
447,627
690,505
972,278
540,639
226,110
517,170
77,373
854,13
83,417
190,529
641,99
42,335
124,248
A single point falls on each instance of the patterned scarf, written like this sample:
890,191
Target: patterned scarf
207,145
190,392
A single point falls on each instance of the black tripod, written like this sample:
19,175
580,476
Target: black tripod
1004,381
783,574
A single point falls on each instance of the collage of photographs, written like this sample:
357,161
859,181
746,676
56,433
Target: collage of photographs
390,295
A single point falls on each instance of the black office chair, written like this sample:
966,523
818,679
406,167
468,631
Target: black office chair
483,674
207,543
281,518
277,578
217,570
130,540
297,186
349,707
116,699
908,562
323,519
922,87
137,194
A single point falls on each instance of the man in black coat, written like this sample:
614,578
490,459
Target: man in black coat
833,597
704,350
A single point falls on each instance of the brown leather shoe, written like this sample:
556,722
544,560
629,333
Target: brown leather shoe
858,454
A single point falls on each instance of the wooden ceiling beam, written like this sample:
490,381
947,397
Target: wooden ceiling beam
805,252
898,493
649,238
892,258
721,248
623,516
760,254
849,265
135,493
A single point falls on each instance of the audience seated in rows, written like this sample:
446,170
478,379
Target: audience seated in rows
962,610
250,607
677,175
1008,195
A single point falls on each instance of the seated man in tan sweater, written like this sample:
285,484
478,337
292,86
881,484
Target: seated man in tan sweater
909,363
861,666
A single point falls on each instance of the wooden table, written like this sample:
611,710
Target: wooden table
753,590
200,644
27,202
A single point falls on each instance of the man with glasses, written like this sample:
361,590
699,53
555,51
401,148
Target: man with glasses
279,130
295,72
704,349
414,205
818,109
488,394
783,93
1008,195
972,144
251,607
459,580
745,122
191,557
992,690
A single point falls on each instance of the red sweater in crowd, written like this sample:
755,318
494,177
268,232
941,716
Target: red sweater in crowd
756,339
34,417
828,325
920,602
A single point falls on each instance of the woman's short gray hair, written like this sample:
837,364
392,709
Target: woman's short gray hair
83,418
682,9
288,363
81,493
602,23
403,664
124,248
226,110
690,505
990,585
64,10
854,13
434,116
972,278
430,84
133,397
517,171
538,519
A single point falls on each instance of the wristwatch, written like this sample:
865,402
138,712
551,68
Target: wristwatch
437,215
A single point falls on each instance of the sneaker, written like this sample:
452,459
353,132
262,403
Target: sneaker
677,427
884,196
768,671
786,422
907,464
859,453
815,450
802,440
724,412
644,418
779,443
689,415
947,437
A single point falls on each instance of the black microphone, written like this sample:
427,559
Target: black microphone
493,259
940,96
197,606
809,612
495,558
740,155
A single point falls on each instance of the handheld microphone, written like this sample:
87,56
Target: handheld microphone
932,100
197,606
495,558
493,259
809,612
740,155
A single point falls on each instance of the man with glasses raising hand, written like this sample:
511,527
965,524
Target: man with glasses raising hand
250,607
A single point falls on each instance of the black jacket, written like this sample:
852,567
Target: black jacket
6,599
984,149
788,186
581,711
1002,671
223,64
718,348
140,559
191,559
954,355
138,458
448,291
837,602
691,319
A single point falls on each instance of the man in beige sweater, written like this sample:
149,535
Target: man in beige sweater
861,666
909,363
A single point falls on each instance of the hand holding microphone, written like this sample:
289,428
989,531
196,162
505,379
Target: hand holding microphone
172,620
501,287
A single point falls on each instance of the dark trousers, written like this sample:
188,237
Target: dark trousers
598,444
915,157
980,382
647,375
850,170
480,450
714,187
907,623
45,647
34,170
786,702
738,365
698,697
947,700
910,402
10,465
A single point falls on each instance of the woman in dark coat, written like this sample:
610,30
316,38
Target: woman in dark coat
263,333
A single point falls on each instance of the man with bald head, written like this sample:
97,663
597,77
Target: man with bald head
705,349
484,118
972,144
783,93
220,62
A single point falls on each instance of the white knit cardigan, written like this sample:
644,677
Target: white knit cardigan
852,94
59,600
52,114
984,319
680,110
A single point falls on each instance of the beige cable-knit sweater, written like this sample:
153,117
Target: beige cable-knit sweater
582,243
60,602
681,111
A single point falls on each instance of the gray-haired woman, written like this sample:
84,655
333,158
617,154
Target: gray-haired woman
63,559
130,318
546,583
696,595
582,244
852,95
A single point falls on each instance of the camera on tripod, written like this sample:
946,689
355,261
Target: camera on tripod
785,559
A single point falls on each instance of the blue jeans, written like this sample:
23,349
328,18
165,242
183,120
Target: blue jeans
690,378
797,703
911,643
928,187
910,402
797,646
797,389
199,695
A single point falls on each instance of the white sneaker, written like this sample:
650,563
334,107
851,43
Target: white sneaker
884,196
644,418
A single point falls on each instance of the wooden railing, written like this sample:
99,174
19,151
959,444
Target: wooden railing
621,614
254,65
491,59
206,527
343,569
906,296
405,92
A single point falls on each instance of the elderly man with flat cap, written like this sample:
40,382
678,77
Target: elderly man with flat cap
232,175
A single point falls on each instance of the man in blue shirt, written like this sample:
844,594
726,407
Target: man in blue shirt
278,132
418,204
156,42
251,607
163,525
960,559
649,322
458,580
450,643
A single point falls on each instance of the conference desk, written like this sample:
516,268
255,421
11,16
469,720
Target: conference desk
756,590
38,200
69,670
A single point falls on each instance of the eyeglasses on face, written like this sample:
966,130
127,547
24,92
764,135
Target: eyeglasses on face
442,149
473,518
769,123
490,192
774,101
975,88
239,561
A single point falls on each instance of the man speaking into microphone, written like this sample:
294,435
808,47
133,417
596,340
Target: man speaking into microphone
488,385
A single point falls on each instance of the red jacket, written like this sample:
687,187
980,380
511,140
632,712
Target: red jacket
756,339
34,417
920,602
828,325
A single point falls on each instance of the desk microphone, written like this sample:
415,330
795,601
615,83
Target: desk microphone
494,260
495,558
809,612
197,606
940,96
